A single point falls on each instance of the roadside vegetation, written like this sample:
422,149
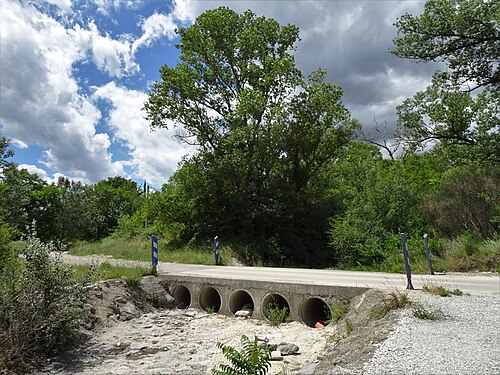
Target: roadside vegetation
41,306
283,173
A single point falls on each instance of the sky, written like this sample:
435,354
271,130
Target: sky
74,75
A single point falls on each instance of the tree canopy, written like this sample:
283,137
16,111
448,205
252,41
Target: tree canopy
463,33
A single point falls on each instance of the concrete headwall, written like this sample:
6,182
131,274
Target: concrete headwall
306,303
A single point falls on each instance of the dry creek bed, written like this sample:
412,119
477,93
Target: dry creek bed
129,336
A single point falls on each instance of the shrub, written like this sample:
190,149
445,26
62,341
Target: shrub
41,306
337,312
422,312
276,314
441,291
253,359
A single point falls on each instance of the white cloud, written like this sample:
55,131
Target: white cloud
33,169
350,39
154,155
153,28
115,57
40,99
64,5
105,6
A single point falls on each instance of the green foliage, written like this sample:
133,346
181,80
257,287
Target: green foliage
441,291
263,132
463,33
468,201
6,253
336,312
382,203
421,311
276,314
253,359
40,306
456,122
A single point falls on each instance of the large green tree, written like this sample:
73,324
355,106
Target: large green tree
263,133
463,33
466,128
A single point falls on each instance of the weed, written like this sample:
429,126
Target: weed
252,359
210,310
441,291
336,312
377,313
422,312
277,314
40,306
396,300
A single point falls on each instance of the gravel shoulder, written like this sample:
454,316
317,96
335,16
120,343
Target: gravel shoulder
465,341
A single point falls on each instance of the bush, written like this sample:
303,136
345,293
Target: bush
41,306
423,312
467,202
337,312
277,314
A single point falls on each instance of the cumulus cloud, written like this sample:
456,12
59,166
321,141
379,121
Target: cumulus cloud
351,40
155,27
115,57
41,103
154,155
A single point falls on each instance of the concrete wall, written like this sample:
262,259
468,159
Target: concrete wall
305,301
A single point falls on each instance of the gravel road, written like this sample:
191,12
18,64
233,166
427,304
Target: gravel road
465,341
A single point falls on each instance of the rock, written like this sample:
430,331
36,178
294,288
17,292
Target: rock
155,293
138,346
288,349
114,307
276,356
129,311
243,313
120,300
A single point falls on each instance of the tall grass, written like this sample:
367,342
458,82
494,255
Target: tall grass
105,271
140,249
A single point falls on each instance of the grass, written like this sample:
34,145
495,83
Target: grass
276,315
439,290
396,300
106,271
422,312
140,249
337,312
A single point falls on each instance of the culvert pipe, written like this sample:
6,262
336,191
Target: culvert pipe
270,305
182,296
313,310
240,300
210,299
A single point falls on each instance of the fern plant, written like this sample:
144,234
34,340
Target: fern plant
253,359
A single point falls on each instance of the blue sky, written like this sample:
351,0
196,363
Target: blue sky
74,75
